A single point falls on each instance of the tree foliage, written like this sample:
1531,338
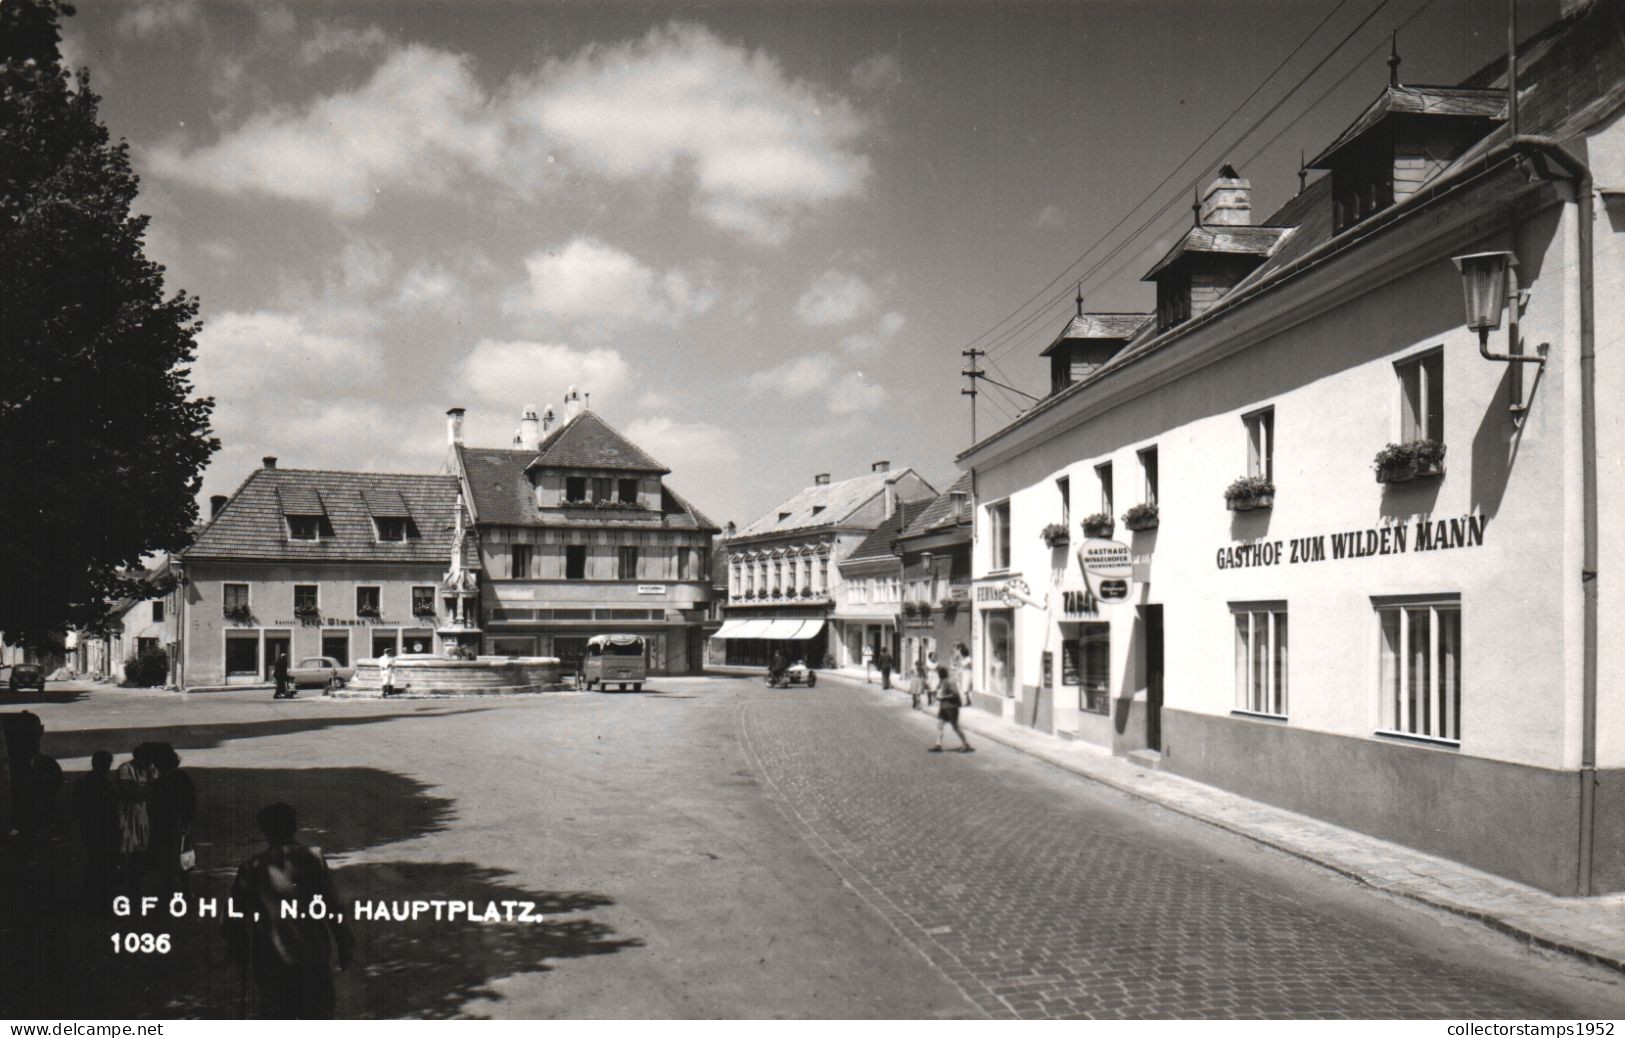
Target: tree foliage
102,444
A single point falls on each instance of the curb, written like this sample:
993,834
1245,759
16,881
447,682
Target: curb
1495,922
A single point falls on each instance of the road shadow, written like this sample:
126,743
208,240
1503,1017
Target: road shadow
65,745
9,699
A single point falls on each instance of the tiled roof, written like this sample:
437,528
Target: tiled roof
588,442
251,525
503,495
821,505
300,500
1568,79
385,502
1243,240
878,545
1418,100
939,514
1099,326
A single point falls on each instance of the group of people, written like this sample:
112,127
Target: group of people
134,823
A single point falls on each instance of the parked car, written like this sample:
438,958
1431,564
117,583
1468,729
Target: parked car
320,672
797,673
620,659
27,675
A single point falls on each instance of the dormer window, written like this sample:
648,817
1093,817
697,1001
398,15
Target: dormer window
817,508
391,518
304,527
393,527
304,512
783,516
1173,299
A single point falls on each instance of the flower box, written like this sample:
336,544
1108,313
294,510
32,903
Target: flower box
1098,525
1056,535
1141,517
307,612
367,613
1403,462
806,592
1248,493
237,613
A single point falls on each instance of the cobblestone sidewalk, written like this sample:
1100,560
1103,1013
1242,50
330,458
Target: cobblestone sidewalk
1590,928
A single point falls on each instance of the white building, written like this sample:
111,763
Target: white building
1421,658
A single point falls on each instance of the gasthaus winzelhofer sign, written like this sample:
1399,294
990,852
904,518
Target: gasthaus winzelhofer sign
1108,569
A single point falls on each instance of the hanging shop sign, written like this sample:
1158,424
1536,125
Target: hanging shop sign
1397,539
1108,569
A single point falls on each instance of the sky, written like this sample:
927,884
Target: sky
757,235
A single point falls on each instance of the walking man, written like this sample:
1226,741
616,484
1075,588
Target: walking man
279,671
948,712
290,957
883,660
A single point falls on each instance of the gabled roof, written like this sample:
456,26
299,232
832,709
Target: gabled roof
153,578
1226,239
251,525
879,544
588,442
821,505
503,495
939,514
1098,326
1462,102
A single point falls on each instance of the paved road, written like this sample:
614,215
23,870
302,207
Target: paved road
712,848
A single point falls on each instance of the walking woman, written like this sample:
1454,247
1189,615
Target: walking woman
948,712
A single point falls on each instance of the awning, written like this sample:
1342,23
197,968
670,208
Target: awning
777,630
743,629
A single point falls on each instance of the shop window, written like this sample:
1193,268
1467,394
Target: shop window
998,529
368,601
575,488
1261,443
1261,658
1086,665
383,641
519,561
1421,381
627,491
423,600
158,611
626,562
336,644
1148,468
575,562
1420,672
1103,473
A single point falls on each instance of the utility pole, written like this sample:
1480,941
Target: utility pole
973,373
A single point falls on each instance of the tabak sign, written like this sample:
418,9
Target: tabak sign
1108,569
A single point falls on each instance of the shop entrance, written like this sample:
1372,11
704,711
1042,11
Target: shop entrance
1152,615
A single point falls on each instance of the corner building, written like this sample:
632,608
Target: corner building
1372,561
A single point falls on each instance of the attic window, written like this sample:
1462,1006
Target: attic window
308,527
783,516
817,508
394,528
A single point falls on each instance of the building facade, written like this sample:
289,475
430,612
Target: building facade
1361,536
935,554
784,571
313,563
579,534
869,597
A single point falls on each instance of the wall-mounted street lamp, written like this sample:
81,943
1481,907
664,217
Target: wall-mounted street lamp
1489,283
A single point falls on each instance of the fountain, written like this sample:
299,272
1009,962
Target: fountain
459,670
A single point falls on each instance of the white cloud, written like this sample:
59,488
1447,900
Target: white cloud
250,356
844,390
145,17
760,146
1050,218
677,443
834,297
511,373
868,342
416,125
330,39
877,72
430,287
589,281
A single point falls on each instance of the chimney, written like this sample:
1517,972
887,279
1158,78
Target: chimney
880,466
891,496
572,403
216,502
454,427
547,420
269,461
821,480
1228,202
529,428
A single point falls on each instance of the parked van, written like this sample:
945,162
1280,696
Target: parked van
619,659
